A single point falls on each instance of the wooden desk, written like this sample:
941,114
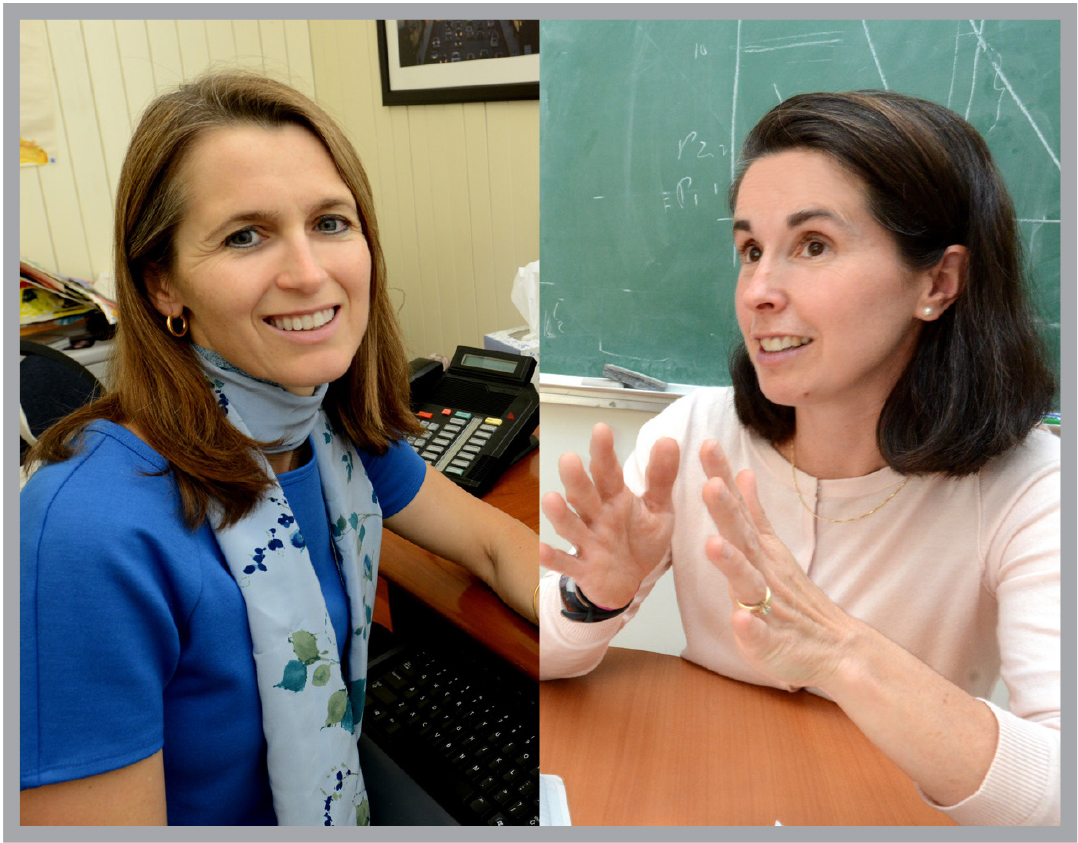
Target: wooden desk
650,739
454,593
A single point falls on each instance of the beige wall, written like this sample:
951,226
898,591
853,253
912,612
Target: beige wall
456,186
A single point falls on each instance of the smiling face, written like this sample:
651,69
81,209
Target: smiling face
270,264
829,312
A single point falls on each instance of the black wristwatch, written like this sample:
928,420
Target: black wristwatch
577,607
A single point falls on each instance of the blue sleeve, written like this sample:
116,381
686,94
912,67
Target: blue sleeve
99,636
396,476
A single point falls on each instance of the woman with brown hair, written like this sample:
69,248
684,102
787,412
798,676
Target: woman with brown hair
883,415
199,548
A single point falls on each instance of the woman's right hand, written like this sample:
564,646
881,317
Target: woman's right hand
619,537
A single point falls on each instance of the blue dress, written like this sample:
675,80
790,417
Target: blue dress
134,635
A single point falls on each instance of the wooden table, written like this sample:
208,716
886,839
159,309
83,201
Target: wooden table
650,739
456,594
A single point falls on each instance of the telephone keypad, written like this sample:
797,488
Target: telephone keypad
453,439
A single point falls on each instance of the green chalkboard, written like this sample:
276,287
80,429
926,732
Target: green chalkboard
641,123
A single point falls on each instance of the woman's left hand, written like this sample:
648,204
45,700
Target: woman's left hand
939,735
802,640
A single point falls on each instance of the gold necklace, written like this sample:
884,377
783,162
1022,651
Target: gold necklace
793,471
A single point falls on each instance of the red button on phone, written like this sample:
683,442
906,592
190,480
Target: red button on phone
423,414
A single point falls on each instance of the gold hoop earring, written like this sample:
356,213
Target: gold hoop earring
182,332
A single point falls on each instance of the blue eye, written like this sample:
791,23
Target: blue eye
333,225
245,238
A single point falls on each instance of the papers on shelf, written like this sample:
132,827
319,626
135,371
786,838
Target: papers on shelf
553,805
47,297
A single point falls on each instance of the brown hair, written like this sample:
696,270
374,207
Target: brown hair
158,385
978,380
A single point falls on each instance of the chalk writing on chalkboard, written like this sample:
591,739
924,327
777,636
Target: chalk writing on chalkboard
641,124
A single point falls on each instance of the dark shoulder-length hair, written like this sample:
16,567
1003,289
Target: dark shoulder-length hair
158,387
978,380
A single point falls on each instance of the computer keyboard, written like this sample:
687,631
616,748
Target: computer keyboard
464,727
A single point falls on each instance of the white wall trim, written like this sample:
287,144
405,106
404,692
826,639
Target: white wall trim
605,393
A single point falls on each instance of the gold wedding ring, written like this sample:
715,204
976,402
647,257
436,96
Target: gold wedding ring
763,607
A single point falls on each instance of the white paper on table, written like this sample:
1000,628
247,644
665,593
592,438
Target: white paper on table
553,804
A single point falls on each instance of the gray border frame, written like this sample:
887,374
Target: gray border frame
1067,14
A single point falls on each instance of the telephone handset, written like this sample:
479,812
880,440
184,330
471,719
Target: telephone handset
478,414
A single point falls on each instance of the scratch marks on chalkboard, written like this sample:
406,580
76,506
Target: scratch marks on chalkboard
733,107
1001,76
976,59
756,48
954,64
824,34
777,94
764,45
629,356
999,101
875,58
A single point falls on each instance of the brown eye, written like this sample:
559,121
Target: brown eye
815,248
751,254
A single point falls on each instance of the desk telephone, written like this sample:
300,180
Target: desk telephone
479,414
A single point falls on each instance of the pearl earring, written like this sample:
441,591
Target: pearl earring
928,311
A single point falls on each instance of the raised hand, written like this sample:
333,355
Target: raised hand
619,537
802,638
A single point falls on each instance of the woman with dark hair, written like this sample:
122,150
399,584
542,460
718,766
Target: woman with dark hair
884,416
249,452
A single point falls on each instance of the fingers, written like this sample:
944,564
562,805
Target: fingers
579,490
565,522
560,561
732,517
747,584
605,469
587,494
713,459
660,475
746,484
715,464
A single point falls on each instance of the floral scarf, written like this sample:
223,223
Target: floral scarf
312,705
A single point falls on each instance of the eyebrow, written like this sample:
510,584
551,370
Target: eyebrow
797,218
328,204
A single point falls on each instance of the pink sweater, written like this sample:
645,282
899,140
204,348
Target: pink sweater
962,573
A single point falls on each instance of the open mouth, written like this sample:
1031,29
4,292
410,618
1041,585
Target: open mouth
306,322
783,343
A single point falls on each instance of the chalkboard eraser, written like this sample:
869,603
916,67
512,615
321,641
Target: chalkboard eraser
633,380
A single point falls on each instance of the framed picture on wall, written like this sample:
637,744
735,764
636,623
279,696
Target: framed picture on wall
438,61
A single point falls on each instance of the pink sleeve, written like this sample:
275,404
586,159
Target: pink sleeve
1022,568
1022,785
